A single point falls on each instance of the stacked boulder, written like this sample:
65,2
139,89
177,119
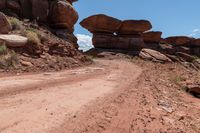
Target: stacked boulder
58,14
111,33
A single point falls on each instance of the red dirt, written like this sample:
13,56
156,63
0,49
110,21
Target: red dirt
112,95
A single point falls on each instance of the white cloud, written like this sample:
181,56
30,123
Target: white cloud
195,33
196,30
84,42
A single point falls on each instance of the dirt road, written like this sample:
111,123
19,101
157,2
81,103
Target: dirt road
41,102
114,96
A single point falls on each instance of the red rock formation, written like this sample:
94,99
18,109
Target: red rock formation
152,36
40,10
63,15
101,23
179,40
134,27
110,41
111,33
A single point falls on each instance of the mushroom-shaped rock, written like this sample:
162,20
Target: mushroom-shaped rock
149,54
63,15
14,40
5,26
179,40
101,23
152,36
134,26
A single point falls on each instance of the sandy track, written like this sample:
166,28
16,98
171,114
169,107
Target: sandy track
43,102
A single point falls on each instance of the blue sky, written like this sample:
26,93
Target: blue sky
172,17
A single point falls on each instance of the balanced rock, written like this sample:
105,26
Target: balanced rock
63,15
134,27
101,23
110,41
5,26
152,36
149,54
179,40
14,40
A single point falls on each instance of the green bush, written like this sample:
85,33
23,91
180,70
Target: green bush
15,23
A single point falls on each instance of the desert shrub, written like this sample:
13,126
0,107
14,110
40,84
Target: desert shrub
8,60
33,45
3,48
15,23
32,37
177,79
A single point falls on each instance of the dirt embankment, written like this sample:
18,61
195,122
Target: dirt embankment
112,95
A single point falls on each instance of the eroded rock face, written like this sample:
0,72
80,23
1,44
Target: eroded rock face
110,41
152,36
179,40
101,23
134,26
2,4
5,26
63,15
40,10
26,8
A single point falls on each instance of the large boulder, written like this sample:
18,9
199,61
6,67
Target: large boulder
179,40
40,10
134,27
101,23
5,26
149,54
117,42
152,36
62,15
14,40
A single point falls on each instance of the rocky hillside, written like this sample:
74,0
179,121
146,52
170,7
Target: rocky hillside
38,35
